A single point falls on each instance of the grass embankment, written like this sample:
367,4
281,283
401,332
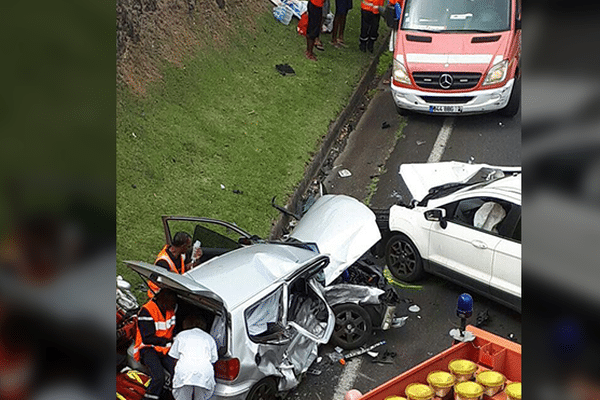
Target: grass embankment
227,119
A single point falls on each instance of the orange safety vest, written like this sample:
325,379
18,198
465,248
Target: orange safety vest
371,5
164,326
163,255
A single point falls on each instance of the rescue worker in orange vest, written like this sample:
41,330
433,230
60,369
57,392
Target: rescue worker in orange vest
369,23
172,258
154,336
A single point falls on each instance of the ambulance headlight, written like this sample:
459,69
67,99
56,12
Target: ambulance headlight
399,71
497,73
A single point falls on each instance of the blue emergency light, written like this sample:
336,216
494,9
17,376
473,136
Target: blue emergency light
464,306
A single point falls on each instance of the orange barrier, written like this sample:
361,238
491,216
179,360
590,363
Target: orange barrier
488,351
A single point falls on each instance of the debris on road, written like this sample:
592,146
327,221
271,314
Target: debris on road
385,125
314,371
393,281
420,142
414,308
344,173
362,350
399,322
482,318
384,358
336,357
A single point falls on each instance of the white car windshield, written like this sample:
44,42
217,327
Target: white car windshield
457,15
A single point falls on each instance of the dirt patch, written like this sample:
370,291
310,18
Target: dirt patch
151,32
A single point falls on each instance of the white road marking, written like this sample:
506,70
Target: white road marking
440,143
347,379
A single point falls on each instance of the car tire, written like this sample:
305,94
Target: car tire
265,389
403,258
353,326
514,102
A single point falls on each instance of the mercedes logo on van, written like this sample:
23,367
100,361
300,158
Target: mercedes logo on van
446,81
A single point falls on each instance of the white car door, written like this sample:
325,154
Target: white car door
506,269
465,249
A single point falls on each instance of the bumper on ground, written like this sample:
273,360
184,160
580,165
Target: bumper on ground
476,102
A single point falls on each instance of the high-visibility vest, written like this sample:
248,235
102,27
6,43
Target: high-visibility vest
164,326
163,255
371,5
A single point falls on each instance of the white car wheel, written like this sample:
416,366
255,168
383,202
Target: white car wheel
403,258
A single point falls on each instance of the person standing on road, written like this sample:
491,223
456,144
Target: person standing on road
339,22
315,21
369,23
195,352
156,323
172,258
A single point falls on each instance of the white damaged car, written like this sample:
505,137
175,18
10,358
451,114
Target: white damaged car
270,304
464,224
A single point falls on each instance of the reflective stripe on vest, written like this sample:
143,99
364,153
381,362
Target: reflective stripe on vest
163,325
371,6
163,255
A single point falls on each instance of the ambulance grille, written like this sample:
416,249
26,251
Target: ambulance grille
460,80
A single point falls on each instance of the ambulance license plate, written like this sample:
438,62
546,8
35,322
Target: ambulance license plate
445,109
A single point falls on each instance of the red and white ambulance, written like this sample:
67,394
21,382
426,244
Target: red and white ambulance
458,57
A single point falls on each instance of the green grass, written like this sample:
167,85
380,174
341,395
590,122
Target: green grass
372,190
228,118
385,62
400,132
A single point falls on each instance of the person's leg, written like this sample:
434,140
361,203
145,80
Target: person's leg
318,44
341,28
183,393
334,30
374,32
151,359
168,363
313,29
201,393
364,30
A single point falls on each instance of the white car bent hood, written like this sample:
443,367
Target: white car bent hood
342,227
419,178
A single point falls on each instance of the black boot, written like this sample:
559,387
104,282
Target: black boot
370,45
363,45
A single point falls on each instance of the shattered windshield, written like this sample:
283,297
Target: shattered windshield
457,15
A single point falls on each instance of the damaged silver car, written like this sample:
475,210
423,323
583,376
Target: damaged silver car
271,304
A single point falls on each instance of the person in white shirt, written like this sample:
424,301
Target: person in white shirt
195,352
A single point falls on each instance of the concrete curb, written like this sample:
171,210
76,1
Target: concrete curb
332,134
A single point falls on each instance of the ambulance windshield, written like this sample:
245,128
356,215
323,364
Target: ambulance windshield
483,16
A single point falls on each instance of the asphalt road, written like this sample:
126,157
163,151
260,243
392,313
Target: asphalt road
373,150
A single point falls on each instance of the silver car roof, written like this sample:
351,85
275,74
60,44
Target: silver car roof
241,274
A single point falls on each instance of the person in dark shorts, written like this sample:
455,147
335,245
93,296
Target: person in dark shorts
315,21
339,22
